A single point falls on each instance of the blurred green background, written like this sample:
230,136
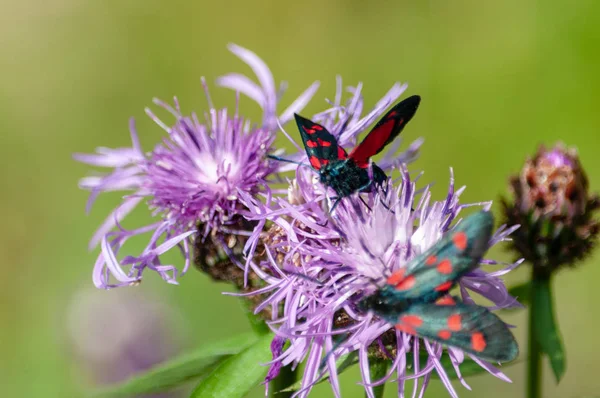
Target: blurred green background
497,78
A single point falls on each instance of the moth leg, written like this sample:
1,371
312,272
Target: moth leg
365,203
364,187
337,201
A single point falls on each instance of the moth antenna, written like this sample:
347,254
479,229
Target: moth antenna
345,125
288,161
288,136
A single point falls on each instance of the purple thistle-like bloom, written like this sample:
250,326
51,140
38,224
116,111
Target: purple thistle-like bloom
191,179
316,269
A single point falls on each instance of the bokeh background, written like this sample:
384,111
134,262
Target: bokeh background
497,78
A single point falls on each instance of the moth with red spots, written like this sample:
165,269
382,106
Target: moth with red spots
349,173
415,298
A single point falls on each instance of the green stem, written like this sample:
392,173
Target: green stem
378,369
284,379
256,323
534,366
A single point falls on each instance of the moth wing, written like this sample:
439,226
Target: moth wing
471,328
321,146
437,270
385,131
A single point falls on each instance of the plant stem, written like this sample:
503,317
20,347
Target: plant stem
534,365
378,369
284,379
257,324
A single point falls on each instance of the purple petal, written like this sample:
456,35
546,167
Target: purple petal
299,103
112,264
113,218
169,244
262,73
244,85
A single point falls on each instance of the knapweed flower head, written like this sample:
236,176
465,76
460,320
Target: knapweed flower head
345,122
552,202
191,181
317,266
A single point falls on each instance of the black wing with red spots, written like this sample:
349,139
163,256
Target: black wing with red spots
321,147
471,328
415,299
385,130
436,271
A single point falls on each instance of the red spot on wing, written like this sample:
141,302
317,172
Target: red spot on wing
412,320
455,322
406,328
444,286
446,300
317,127
392,114
323,142
341,153
431,260
445,267
396,277
460,240
444,334
311,144
478,342
407,283
315,162
309,130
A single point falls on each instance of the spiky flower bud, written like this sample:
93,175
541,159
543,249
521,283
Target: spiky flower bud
552,204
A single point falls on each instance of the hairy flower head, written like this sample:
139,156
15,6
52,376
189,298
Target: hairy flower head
191,181
319,266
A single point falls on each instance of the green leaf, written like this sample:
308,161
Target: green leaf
546,329
179,370
236,375
522,292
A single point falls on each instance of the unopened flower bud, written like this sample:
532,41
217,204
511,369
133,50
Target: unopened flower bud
552,204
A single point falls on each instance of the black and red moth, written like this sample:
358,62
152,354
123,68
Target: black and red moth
415,298
349,173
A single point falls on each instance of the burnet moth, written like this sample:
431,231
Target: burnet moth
349,173
415,298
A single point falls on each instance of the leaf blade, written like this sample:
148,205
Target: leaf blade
522,292
546,327
178,370
236,375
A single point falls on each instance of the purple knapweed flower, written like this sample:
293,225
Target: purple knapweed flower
191,181
345,123
317,265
